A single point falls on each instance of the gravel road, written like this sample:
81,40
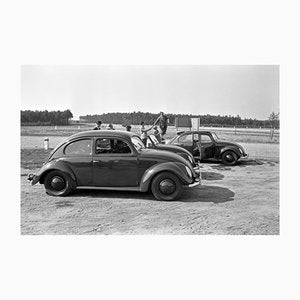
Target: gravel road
238,200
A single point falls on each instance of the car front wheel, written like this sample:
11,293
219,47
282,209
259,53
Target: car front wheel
229,158
57,184
166,186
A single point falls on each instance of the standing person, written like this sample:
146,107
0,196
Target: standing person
144,134
110,127
163,123
98,127
157,134
128,128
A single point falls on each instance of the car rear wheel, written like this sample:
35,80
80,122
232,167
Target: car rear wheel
166,186
229,158
57,183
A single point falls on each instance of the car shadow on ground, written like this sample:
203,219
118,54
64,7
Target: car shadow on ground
64,203
204,193
208,193
242,163
210,176
86,193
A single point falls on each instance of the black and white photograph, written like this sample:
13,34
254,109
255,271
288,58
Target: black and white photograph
150,149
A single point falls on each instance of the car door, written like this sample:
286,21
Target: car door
78,157
207,146
115,163
196,146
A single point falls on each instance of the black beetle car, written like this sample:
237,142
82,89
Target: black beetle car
114,160
152,142
205,145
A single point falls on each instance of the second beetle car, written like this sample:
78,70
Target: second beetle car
152,142
114,160
205,145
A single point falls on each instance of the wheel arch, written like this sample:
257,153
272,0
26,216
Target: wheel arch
230,148
178,169
57,167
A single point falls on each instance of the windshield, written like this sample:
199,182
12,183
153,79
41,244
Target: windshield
215,136
137,143
172,139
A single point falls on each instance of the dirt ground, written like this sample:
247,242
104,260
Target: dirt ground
238,200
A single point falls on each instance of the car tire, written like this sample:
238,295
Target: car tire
58,183
229,158
166,186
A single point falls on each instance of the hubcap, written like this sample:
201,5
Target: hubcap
229,158
167,186
58,183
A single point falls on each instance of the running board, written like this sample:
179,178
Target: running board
110,188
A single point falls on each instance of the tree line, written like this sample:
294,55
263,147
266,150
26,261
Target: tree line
45,117
136,118
48,118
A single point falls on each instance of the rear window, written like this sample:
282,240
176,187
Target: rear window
80,147
205,138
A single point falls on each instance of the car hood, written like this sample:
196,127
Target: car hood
162,155
172,148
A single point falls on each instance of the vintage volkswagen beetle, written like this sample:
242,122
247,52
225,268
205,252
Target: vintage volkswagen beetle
205,145
114,160
152,142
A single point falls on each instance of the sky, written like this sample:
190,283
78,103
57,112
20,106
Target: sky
248,91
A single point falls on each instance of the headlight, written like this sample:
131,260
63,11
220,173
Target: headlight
188,171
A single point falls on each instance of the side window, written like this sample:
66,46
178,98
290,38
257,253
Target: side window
186,139
196,137
81,147
103,146
111,146
205,139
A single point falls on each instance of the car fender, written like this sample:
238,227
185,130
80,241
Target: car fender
186,157
54,165
177,168
231,148
182,154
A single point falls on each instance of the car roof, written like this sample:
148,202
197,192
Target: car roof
193,131
100,133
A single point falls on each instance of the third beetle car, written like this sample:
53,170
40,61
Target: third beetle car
152,142
114,160
205,145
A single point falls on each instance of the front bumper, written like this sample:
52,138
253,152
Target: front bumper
197,169
196,182
244,157
198,178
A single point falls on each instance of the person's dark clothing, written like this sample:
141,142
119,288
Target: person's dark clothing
163,124
157,135
144,141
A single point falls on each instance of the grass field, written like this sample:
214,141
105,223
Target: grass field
246,135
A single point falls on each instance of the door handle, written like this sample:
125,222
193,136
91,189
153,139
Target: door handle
96,161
